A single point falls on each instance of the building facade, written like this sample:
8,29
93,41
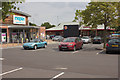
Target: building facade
83,30
15,28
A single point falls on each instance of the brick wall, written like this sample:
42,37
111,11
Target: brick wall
9,19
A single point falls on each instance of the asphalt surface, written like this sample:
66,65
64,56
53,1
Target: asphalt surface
49,62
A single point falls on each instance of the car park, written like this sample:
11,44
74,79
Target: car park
71,43
58,38
97,40
34,44
86,39
113,45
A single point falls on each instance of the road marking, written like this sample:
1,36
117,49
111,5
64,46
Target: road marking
61,68
57,76
1,59
11,71
37,49
74,52
100,52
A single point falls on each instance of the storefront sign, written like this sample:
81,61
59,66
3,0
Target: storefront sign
19,19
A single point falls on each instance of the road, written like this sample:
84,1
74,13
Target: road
50,63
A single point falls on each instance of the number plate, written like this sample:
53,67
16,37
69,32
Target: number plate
114,45
64,47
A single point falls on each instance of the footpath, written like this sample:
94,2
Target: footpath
12,45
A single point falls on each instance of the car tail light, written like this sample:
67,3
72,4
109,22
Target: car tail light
107,45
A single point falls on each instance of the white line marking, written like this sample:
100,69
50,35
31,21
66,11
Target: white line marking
11,71
61,68
37,50
97,53
74,52
1,59
57,76
100,52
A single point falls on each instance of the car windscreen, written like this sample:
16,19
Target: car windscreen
85,37
35,40
57,36
114,41
69,40
97,37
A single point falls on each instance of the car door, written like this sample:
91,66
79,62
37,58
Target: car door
42,43
38,44
80,42
77,43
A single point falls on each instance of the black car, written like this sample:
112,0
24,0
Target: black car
97,40
113,45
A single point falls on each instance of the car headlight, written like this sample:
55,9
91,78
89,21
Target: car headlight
70,44
59,43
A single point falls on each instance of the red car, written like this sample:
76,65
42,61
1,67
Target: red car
71,43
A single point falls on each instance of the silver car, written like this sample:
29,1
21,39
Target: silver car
58,38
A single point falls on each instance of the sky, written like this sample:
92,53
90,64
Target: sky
53,12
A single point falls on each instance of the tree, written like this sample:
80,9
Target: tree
7,6
78,18
32,24
47,25
98,13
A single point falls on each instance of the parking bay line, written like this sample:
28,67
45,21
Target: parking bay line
74,52
1,59
99,52
11,71
38,50
57,76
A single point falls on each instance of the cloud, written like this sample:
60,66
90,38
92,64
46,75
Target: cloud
53,12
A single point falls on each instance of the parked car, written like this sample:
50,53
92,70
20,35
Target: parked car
71,43
34,44
113,45
47,37
58,38
97,39
52,36
86,39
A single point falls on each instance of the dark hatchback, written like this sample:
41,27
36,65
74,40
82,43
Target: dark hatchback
113,45
97,40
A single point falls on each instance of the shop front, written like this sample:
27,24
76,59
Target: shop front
22,35
15,29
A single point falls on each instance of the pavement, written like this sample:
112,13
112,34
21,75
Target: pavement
51,63
13,45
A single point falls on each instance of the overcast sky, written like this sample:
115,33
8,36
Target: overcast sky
53,12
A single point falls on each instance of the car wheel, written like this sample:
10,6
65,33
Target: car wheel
45,45
35,47
58,40
60,49
25,48
107,52
74,48
81,47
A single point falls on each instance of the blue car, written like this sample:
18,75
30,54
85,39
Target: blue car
34,44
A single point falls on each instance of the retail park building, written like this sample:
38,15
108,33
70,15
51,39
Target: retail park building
16,28
61,29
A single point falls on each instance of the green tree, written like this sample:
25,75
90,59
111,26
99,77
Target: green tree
8,5
32,24
78,18
47,25
98,13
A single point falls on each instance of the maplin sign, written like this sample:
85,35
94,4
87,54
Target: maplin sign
19,19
